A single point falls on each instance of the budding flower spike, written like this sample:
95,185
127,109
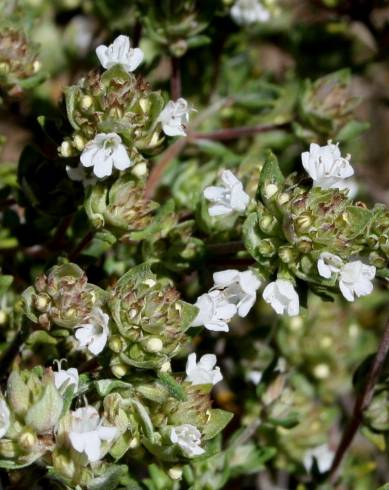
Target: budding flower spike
247,12
282,297
228,198
120,53
104,153
203,372
188,438
326,166
175,117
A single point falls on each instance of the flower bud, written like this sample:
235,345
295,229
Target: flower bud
116,344
321,371
79,142
86,102
3,317
66,149
153,344
175,473
27,440
270,190
41,302
119,370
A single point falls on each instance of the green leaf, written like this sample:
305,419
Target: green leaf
174,388
5,282
145,420
105,386
110,479
45,413
41,337
217,421
271,175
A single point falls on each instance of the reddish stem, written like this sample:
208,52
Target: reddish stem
362,402
175,81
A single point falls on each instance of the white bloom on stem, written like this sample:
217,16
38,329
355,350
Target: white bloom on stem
79,174
227,198
120,53
214,311
174,117
188,437
328,264
254,376
282,297
4,418
356,279
323,455
246,12
87,432
104,153
203,372
239,288
326,166
94,334
63,378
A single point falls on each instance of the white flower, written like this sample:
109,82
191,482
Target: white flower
203,372
328,263
94,334
188,437
246,12
104,153
174,117
239,288
214,311
356,279
323,455
4,418
326,166
227,198
87,432
63,378
78,174
120,53
254,376
282,297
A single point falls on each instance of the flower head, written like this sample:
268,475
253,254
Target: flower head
4,418
246,12
188,437
94,334
203,372
326,166
87,432
355,279
282,297
323,455
214,311
120,53
104,153
227,198
239,288
174,117
328,264
63,378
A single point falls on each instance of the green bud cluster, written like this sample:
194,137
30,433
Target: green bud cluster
122,208
114,102
150,318
63,297
19,65
35,407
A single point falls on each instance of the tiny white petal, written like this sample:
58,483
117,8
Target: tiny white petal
94,335
355,279
214,311
174,117
120,53
328,264
4,418
188,438
323,455
104,153
282,297
326,166
228,198
246,12
65,378
203,372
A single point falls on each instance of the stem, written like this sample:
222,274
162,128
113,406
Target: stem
234,133
81,246
362,401
9,355
159,169
175,81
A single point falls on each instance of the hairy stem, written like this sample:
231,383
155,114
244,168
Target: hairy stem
81,246
362,402
175,81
